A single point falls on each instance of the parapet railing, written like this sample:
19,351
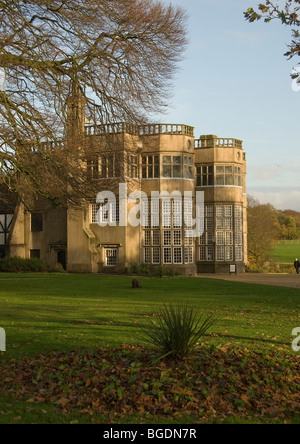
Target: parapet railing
218,143
111,128
140,130
166,128
49,145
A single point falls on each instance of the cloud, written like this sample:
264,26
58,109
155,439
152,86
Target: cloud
281,198
274,174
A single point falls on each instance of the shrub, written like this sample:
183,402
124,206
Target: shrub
58,268
270,267
133,267
148,270
177,330
20,265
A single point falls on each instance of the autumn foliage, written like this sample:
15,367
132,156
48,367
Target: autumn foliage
214,383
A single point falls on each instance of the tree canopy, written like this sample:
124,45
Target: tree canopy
288,14
121,56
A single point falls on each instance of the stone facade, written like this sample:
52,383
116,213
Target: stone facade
146,158
95,237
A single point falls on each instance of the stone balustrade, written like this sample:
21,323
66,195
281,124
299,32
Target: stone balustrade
140,130
216,142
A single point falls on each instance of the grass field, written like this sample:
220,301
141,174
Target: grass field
285,252
62,313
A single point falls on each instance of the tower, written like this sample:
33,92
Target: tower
75,117
220,165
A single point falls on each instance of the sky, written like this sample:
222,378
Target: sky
234,81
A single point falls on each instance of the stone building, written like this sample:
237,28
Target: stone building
162,158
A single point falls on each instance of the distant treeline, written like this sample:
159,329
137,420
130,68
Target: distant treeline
267,225
288,225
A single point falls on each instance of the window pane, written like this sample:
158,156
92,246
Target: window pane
210,253
228,224
167,255
176,171
220,224
202,254
36,222
220,211
167,159
110,166
177,255
156,255
167,171
228,253
209,223
167,237
238,253
220,253
228,210
177,237
35,254
220,180
177,160
147,255
103,166
156,237
147,237
210,238
111,256
228,180
220,238
229,238
188,255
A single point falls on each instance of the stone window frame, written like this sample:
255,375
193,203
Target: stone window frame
204,175
36,222
150,166
111,252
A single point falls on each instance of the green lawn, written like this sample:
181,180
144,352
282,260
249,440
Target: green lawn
53,312
63,312
285,252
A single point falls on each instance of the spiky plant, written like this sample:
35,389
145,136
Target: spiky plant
177,329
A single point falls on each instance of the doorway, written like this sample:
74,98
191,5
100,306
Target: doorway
62,258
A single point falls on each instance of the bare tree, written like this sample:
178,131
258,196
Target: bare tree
117,57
